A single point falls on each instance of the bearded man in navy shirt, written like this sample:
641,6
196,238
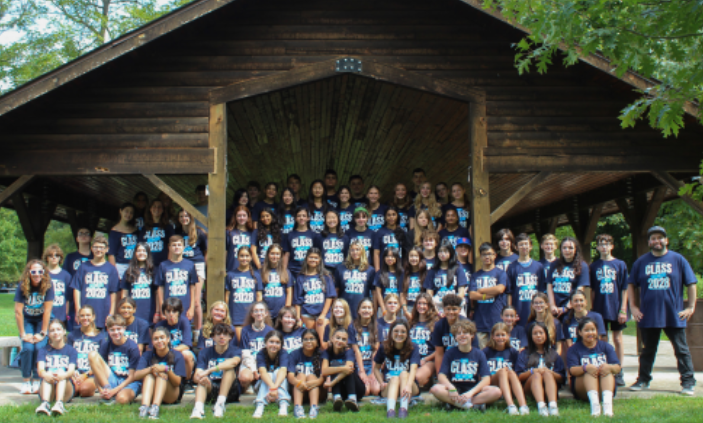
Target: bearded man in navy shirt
660,276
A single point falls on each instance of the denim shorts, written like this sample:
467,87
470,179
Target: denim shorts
113,380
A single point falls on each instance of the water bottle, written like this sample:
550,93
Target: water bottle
13,355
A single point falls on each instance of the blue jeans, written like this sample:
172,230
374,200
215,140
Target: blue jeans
264,390
29,353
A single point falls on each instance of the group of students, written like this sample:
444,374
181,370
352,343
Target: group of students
374,308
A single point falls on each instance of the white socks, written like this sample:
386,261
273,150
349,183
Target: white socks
467,405
607,397
404,403
199,406
221,399
390,405
593,397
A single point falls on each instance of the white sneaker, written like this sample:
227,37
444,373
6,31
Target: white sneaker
219,410
595,410
608,409
26,388
259,412
58,409
512,410
35,386
43,408
283,408
524,410
197,413
554,411
543,411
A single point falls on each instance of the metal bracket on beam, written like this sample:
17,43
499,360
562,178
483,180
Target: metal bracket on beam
348,64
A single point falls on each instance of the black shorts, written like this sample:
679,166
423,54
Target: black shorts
613,325
232,395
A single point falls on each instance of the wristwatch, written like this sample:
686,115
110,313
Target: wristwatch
43,335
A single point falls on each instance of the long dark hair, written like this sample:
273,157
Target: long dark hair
131,275
385,270
582,324
149,217
280,270
275,362
571,315
398,231
422,266
274,229
389,344
311,198
373,335
170,356
251,263
282,207
321,269
432,315
326,230
550,353
499,237
578,256
316,360
133,222
452,265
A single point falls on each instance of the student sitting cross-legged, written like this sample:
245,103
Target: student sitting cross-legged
305,375
215,373
464,377
114,364
56,364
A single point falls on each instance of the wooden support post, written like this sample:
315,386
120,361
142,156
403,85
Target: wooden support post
34,216
584,225
480,199
178,198
518,196
15,187
674,184
217,182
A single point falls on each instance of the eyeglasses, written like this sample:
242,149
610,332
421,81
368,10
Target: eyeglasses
36,272
54,256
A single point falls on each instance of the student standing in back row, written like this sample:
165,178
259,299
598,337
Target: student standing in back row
177,278
122,239
505,246
71,263
331,188
157,231
60,279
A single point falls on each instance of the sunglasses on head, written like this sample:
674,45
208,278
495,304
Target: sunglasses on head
36,272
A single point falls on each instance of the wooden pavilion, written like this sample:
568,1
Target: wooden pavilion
226,91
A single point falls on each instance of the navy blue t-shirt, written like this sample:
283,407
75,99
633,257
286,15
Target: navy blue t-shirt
464,370
566,282
138,331
283,359
120,358
500,359
404,218
351,331
70,264
143,292
176,280
297,245
385,238
84,345
414,289
608,281
57,360
333,201
157,240
181,333
503,263
661,281
205,342
354,285
394,365
275,293
452,236
178,367
558,331
346,215
262,205
299,363
365,238
395,283
436,280
570,325
195,252
524,280
431,263
602,353
209,358
252,339
547,266
377,218
334,250
524,357
462,212
122,245
235,240
96,283
518,337
363,341
242,287
421,335
487,312
339,360
311,292
61,282
287,221
442,335
34,303
293,340
317,217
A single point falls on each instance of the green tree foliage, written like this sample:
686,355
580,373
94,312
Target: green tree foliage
13,246
51,33
660,39
60,233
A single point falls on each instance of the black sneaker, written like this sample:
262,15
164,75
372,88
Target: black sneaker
639,386
481,408
620,379
338,404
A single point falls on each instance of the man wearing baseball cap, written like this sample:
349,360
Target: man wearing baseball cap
661,276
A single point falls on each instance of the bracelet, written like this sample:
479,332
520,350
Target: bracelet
584,369
452,390
299,383
218,368
273,389
484,297
532,371
623,312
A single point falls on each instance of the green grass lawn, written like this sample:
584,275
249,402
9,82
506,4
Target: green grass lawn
7,315
658,409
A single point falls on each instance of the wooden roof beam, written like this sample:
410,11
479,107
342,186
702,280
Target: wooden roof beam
178,198
518,196
15,187
590,163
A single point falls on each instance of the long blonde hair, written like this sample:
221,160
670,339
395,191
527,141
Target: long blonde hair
209,324
191,229
346,320
26,281
548,318
432,205
280,270
418,231
363,260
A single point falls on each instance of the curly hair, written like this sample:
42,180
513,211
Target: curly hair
389,345
432,206
273,229
131,275
209,324
578,256
363,260
26,281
